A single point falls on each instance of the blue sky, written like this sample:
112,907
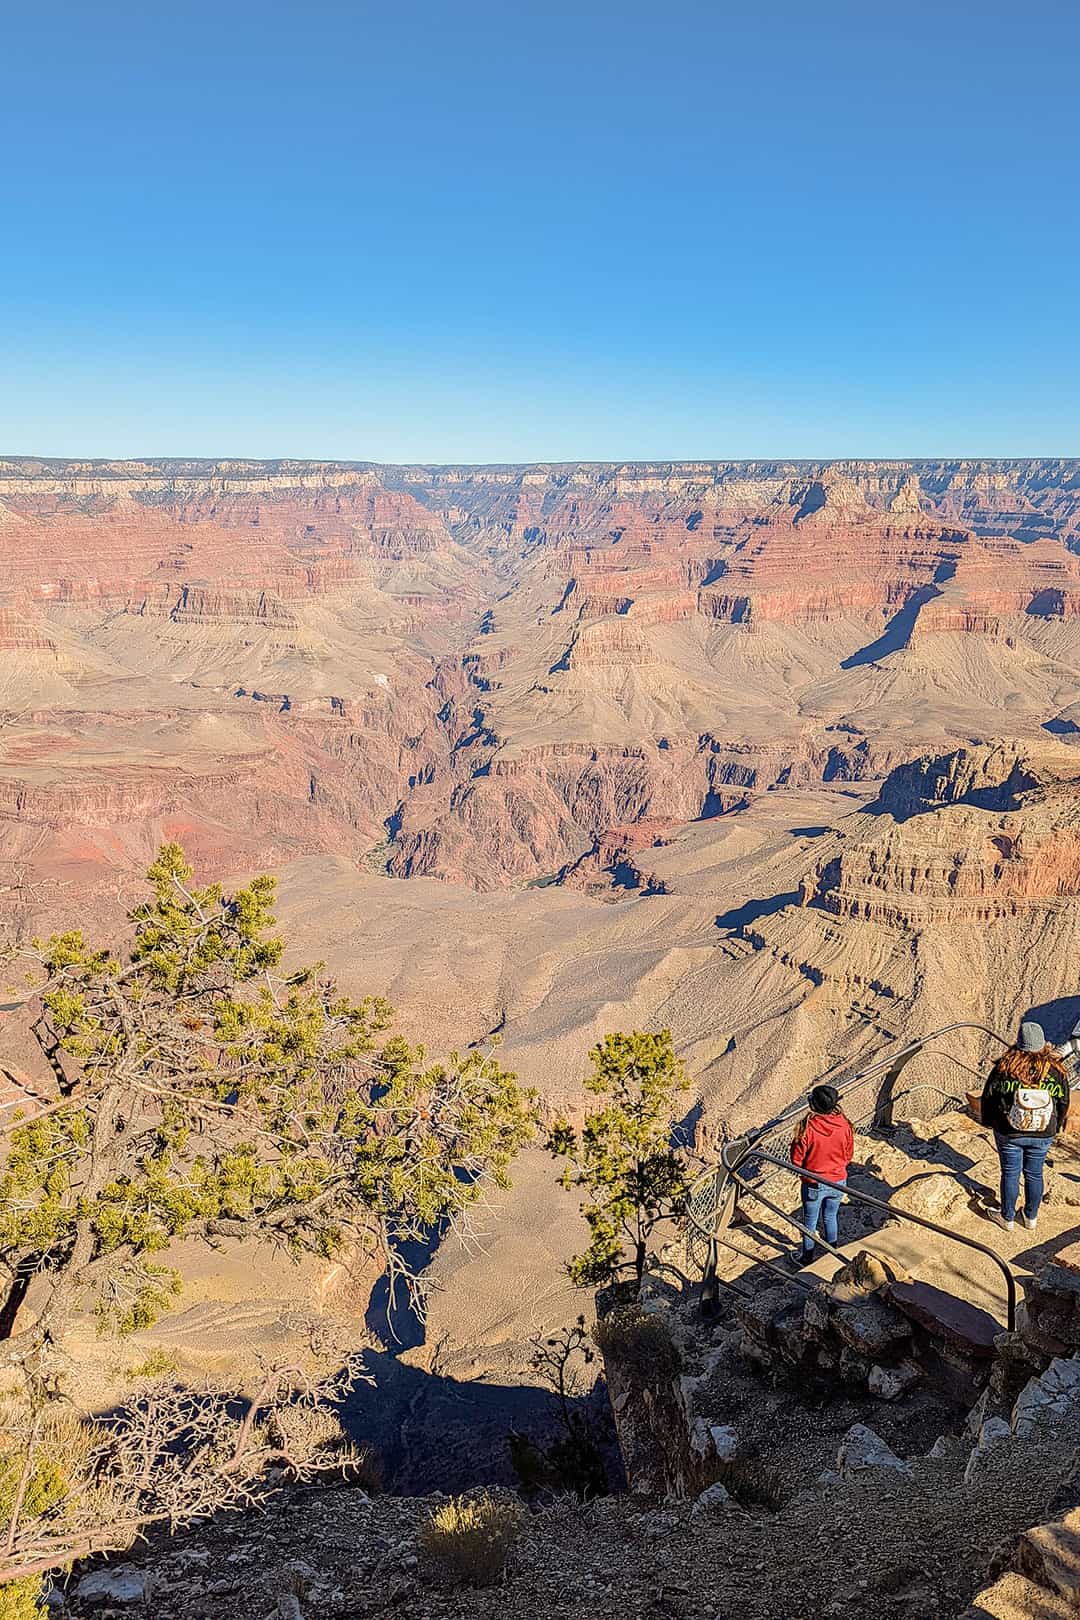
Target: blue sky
487,231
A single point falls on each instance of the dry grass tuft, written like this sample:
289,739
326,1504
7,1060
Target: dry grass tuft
752,1482
470,1538
639,1343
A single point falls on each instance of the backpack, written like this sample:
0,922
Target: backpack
1032,1110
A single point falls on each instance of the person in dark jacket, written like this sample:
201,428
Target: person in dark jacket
824,1144
1025,1102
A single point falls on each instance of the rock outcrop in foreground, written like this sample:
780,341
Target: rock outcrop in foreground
880,1505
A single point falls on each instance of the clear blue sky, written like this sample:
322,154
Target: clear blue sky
512,230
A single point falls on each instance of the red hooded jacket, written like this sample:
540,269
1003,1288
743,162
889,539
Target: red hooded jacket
825,1145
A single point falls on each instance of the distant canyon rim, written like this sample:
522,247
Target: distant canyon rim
781,755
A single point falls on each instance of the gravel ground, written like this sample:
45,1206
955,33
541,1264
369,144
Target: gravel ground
883,1548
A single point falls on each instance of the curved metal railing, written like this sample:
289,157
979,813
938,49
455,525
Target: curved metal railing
714,1194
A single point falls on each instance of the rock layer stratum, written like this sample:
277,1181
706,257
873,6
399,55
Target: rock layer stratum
478,673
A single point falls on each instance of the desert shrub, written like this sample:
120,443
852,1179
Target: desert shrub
751,1482
158,1364
35,1480
20,1600
571,1465
313,1443
166,1453
469,1539
639,1344
574,1460
364,1469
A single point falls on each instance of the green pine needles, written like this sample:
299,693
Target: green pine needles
623,1158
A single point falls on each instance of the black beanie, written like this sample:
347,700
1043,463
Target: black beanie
824,1099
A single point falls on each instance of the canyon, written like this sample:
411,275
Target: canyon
781,755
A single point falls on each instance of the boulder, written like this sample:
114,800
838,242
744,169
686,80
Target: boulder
889,1383
872,1328
945,1448
934,1195
120,1583
1041,1346
854,1369
864,1274
1069,1258
1016,1362
890,1164
1050,1402
1052,1306
710,1501
1050,1554
1014,1597
962,1327
964,1142
991,1434
817,1312
863,1452
716,1439
1061,1186
759,1315
790,1335
725,1440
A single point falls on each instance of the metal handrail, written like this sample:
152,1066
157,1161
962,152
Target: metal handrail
861,1076
734,1155
861,1197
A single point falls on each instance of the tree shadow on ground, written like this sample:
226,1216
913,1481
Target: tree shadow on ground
392,1317
432,1432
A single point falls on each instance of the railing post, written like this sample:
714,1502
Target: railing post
883,1110
710,1284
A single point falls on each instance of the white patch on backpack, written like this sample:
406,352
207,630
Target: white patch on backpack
1032,1110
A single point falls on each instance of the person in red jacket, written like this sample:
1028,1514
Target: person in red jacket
825,1144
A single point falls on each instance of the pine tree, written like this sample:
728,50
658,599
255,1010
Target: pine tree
624,1159
207,1091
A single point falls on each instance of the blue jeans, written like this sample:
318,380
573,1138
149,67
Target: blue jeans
821,1204
1026,1153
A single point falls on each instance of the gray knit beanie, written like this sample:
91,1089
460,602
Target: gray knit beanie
1032,1038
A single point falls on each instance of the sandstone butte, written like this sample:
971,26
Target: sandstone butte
782,755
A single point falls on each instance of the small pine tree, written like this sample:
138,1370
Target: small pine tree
623,1159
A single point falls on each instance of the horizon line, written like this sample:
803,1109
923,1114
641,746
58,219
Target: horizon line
360,463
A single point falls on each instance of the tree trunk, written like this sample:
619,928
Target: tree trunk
9,1310
639,1260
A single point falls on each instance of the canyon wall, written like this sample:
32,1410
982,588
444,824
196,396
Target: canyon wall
480,674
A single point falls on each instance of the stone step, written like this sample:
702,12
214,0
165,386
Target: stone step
1014,1597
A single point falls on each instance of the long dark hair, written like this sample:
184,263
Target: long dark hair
1031,1068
